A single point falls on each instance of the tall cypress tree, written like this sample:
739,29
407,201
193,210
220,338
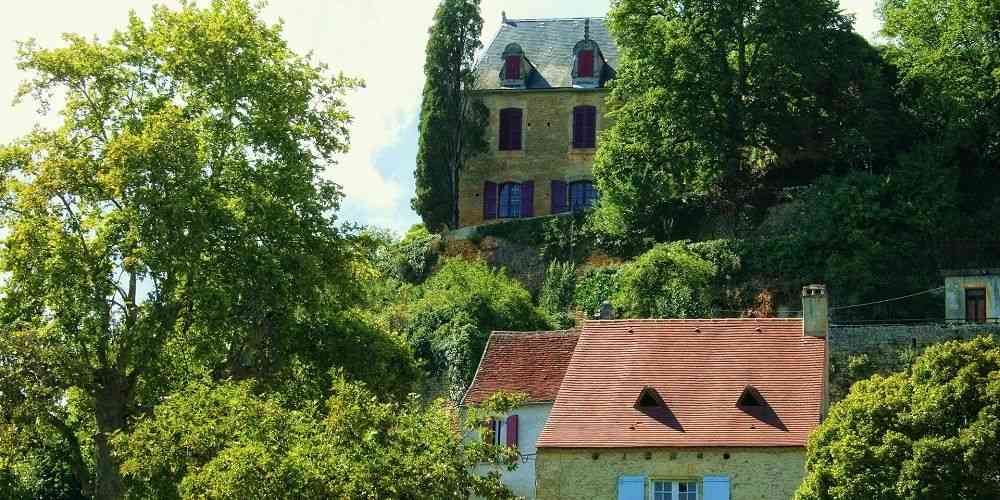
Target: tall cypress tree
452,121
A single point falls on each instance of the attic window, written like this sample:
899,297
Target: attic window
513,71
648,398
750,398
587,64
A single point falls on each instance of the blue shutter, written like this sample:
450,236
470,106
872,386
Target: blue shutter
632,488
716,487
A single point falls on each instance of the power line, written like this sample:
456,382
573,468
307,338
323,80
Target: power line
888,300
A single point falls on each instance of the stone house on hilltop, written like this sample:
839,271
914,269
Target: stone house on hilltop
544,83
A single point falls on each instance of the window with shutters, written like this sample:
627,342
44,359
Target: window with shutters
513,72
975,305
582,195
675,490
584,127
509,200
587,63
510,129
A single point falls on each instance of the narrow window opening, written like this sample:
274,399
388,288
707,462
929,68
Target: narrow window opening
750,398
649,398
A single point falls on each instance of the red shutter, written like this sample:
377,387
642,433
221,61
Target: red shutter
489,200
528,199
512,69
585,64
558,197
512,431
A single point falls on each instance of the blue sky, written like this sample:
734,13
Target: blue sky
381,41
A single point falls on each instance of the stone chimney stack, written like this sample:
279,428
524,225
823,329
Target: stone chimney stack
815,311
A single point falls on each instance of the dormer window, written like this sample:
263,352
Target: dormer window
588,64
514,70
648,399
750,398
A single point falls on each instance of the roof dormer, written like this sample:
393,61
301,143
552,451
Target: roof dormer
588,63
515,68
751,398
649,399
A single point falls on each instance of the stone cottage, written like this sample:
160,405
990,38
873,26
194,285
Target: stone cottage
532,363
706,409
544,83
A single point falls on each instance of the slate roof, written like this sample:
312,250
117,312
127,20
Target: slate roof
529,362
699,368
548,46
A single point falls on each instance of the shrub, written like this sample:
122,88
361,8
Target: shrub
669,281
556,296
595,287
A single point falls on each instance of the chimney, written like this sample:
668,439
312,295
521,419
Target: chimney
503,16
815,311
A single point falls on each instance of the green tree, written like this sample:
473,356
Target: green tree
173,225
930,432
948,56
449,318
226,441
669,281
452,120
711,96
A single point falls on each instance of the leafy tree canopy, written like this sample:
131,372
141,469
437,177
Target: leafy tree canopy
711,96
225,441
930,432
173,225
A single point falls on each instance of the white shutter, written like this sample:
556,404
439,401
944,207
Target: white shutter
716,487
632,488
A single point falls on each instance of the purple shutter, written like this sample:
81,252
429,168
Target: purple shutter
512,431
528,199
578,127
504,141
559,204
489,200
591,132
513,68
515,129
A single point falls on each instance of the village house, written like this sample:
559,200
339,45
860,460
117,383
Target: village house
673,409
544,83
531,363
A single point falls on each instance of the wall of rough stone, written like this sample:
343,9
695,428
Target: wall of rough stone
755,473
857,352
547,152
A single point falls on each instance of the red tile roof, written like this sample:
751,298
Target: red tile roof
529,362
699,368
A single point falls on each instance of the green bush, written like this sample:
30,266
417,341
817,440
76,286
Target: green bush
556,296
449,318
669,281
595,287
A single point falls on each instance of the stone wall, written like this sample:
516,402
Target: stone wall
857,352
547,152
755,473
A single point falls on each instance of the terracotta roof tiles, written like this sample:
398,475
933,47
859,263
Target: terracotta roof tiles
699,368
529,362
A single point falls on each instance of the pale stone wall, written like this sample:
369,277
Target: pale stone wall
530,421
755,473
547,152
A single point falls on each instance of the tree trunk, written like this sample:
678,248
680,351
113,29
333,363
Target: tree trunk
111,402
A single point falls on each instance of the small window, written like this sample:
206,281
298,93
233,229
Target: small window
510,200
675,490
512,67
510,129
582,195
585,64
648,398
975,305
584,127
750,398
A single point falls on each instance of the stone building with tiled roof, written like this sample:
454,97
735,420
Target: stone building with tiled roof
544,83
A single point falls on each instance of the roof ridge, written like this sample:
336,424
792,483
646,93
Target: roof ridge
568,331
537,19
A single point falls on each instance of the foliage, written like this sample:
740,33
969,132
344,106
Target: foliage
452,120
226,441
596,286
556,296
173,224
418,254
929,432
861,234
710,97
449,318
669,281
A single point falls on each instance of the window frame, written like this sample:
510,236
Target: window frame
584,134
501,204
574,207
979,302
506,120
675,488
